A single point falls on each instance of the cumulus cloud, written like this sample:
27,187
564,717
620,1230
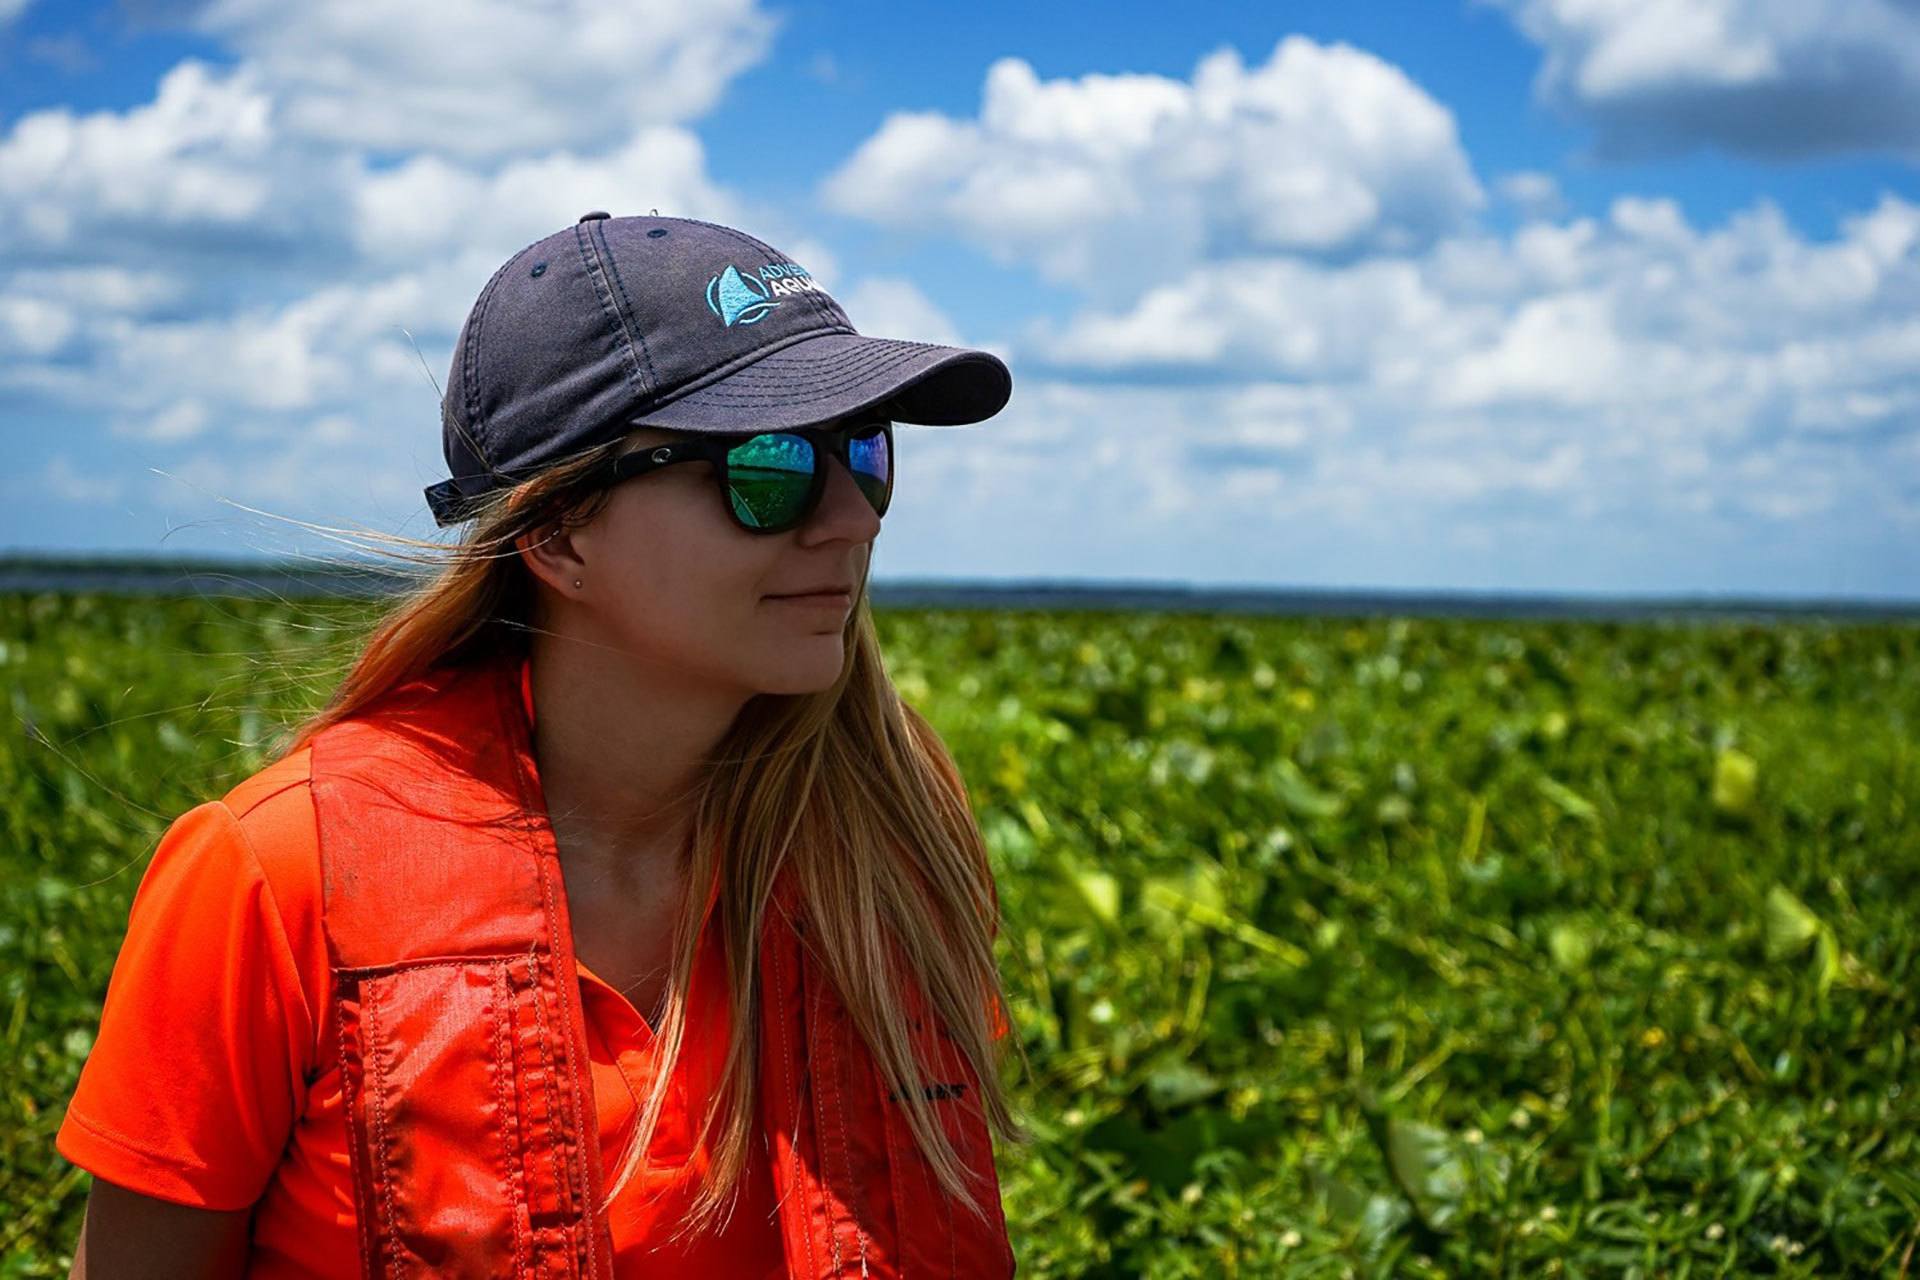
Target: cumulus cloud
428,202
314,282
1532,194
34,326
489,78
1575,314
1593,369
76,483
1108,180
1768,78
197,155
1295,344
99,288
1259,316
890,307
42,310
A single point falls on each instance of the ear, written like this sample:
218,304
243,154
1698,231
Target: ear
549,554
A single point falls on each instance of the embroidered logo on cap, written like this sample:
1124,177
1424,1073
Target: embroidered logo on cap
739,298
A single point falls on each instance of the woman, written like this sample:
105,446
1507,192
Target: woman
615,917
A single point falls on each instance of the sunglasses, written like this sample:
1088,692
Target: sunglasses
771,481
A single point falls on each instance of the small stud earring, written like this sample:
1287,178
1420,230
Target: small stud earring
576,582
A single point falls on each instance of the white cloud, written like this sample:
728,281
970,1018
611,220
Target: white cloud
98,288
1532,193
12,9
275,340
1260,316
1110,181
34,326
488,78
1295,338
72,482
1613,368
1773,78
181,420
890,307
1638,305
429,204
192,156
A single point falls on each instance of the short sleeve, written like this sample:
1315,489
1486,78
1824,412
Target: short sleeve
197,1073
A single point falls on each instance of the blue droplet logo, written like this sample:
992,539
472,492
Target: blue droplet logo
738,299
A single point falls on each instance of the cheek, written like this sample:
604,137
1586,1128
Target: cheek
683,575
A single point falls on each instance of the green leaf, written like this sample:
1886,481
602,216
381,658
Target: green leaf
1167,901
1426,1165
1370,1216
1791,924
1826,958
1571,945
1177,1082
1570,801
1735,775
1100,892
1301,796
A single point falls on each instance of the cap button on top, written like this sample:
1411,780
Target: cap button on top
597,213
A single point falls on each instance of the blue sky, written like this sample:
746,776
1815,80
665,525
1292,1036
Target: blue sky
1506,295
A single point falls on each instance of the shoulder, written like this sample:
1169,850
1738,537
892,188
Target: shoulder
292,772
273,811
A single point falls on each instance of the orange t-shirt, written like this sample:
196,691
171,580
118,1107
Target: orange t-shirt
215,1078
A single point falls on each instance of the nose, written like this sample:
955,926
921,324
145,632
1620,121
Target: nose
844,511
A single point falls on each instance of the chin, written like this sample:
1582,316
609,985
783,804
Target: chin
811,665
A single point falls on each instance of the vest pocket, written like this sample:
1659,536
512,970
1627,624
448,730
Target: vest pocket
461,1103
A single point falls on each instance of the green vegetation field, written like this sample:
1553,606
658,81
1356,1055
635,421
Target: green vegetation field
1338,948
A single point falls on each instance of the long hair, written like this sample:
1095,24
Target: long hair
848,789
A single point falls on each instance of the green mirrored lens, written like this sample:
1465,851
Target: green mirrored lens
872,460
770,476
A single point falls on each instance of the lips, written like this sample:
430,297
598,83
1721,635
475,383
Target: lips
831,589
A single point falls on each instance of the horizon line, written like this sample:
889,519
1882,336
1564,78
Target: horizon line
149,573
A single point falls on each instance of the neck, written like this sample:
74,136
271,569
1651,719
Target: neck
617,743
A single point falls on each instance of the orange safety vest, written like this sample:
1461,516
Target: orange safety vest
463,1043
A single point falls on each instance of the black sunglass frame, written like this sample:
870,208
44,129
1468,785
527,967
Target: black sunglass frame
828,443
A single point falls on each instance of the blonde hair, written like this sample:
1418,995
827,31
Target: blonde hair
850,787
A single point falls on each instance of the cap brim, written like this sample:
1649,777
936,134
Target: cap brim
834,374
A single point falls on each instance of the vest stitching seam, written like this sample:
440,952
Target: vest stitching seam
347,1096
509,1114
846,1160
846,1156
367,1006
546,1062
577,1156
786,1054
817,1071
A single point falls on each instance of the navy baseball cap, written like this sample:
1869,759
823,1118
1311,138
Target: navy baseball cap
617,323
